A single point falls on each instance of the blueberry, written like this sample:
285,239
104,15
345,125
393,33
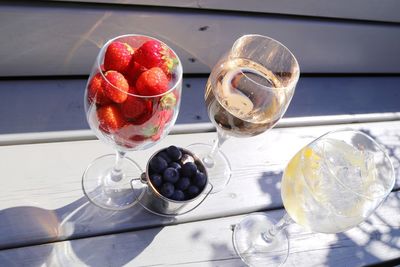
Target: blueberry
189,169
178,195
200,179
193,190
167,189
165,156
174,153
183,183
175,165
158,164
156,180
171,175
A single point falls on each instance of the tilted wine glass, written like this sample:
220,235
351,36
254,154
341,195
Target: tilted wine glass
331,185
247,92
127,119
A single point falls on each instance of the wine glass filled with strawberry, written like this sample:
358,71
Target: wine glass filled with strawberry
132,100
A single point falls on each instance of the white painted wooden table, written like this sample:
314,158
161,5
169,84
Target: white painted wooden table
45,220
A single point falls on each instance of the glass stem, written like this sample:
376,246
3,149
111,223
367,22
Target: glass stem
116,172
284,222
209,158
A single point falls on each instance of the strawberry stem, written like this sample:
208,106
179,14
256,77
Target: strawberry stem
168,101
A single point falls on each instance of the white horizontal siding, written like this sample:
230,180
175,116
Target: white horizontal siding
64,39
57,105
378,10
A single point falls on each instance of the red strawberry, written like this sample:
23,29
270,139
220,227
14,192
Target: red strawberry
117,56
136,107
163,116
158,134
168,101
155,127
169,64
152,130
142,119
155,54
116,87
138,138
166,115
110,118
152,82
129,135
96,90
133,72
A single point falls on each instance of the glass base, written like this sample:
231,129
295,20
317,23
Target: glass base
113,192
252,248
220,173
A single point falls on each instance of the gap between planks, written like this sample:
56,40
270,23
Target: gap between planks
81,135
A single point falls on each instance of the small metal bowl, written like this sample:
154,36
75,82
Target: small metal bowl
155,202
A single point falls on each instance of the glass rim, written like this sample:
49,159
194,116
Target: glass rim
381,149
179,66
295,79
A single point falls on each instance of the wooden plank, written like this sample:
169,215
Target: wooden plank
209,243
41,199
74,33
61,103
374,10
190,128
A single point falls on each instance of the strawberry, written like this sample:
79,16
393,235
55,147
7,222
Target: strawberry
168,101
136,107
158,134
133,72
96,90
116,87
110,118
155,54
163,117
155,128
142,119
117,56
152,82
138,138
152,128
169,64
130,134
166,115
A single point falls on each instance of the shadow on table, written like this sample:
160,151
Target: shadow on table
270,183
392,148
28,225
223,254
372,244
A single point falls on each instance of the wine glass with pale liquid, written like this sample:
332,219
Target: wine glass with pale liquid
331,185
248,91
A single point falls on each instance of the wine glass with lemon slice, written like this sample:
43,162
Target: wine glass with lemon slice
331,185
248,91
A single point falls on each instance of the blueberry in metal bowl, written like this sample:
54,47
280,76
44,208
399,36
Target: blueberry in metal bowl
176,174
